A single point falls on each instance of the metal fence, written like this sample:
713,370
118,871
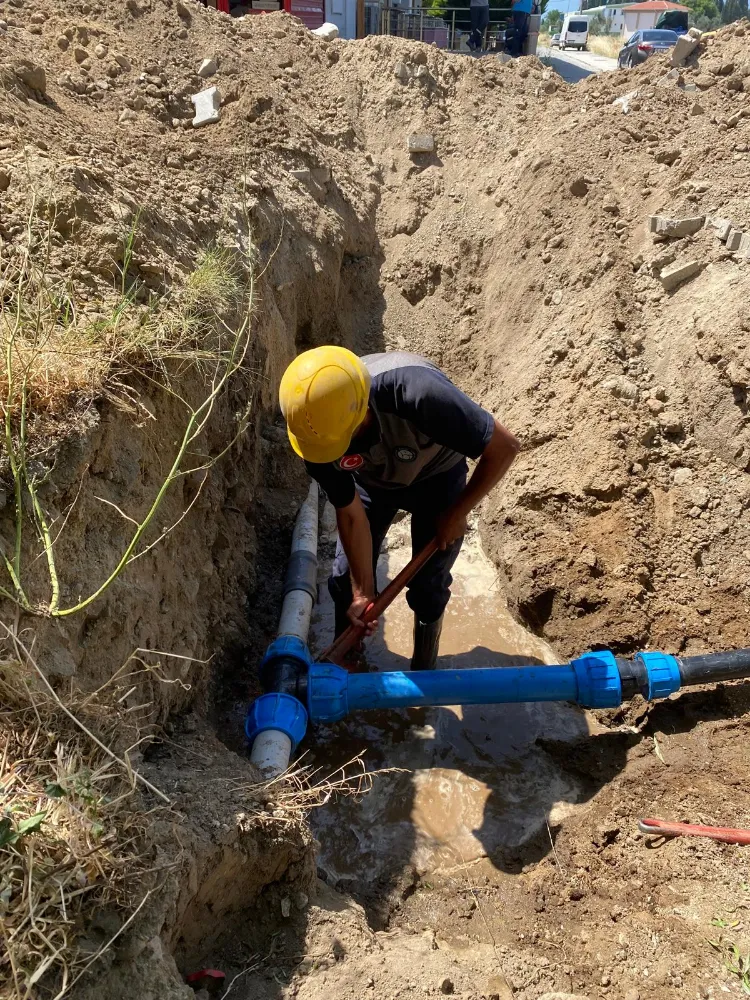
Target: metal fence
450,30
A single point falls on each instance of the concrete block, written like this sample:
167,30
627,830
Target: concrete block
421,143
675,228
327,31
744,247
683,47
734,239
674,276
302,174
207,107
208,68
721,227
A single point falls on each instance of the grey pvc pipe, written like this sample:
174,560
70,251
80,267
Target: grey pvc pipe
271,750
298,601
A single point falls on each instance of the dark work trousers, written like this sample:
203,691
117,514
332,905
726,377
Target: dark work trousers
520,30
430,590
480,18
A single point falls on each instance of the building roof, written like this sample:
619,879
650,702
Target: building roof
660,5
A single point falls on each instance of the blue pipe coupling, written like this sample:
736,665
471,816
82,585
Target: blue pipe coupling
281,712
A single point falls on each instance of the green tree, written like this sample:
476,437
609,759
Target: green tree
732,11
702,8
552,21
598,24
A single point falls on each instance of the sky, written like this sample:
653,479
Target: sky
564,5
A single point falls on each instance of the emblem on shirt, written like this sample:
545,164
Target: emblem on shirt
404,454
351,462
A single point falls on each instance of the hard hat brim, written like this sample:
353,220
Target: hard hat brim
318,454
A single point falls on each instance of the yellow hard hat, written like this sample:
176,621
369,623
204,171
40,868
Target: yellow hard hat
323,396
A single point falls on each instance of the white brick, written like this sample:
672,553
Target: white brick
207,107
672,277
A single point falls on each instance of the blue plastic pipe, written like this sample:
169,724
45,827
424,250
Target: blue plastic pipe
480,686
592,681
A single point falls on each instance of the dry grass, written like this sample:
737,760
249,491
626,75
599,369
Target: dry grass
71,833
605,45
58,351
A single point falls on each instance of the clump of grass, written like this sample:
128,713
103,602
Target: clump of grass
59,351
71,833
605,45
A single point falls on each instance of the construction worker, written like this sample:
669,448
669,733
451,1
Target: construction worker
384,433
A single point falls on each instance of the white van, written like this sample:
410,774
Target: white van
574,31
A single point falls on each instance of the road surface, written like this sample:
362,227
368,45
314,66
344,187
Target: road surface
575,66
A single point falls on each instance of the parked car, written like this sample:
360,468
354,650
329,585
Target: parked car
555,41
643,44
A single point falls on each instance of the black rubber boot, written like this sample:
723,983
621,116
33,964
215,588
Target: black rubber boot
426,644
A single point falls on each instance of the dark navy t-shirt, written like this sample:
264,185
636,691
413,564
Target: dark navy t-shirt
422,425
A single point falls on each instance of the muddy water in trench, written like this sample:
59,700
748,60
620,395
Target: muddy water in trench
474,784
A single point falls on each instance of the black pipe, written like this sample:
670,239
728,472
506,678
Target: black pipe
713,667
633,677
302,573
284,674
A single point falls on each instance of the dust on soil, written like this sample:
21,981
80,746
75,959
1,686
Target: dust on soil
516,256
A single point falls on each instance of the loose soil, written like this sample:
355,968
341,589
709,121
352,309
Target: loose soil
518,257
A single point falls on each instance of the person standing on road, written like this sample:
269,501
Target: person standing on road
384,433
520,14
479,11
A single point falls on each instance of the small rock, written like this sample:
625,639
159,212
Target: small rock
677,274
126,115
80,54
446,985
208,68
4,180
682,476
655,405
100,51
286,906
122,61
631,995
697,109
32,75
424,143
621,387
610,205
464,337
401,72
670,422
63,42
557,297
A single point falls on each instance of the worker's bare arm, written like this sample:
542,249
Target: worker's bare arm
496,459
354,532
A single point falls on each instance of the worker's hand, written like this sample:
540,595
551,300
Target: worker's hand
357,608
450,526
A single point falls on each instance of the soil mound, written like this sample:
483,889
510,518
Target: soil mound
518,254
